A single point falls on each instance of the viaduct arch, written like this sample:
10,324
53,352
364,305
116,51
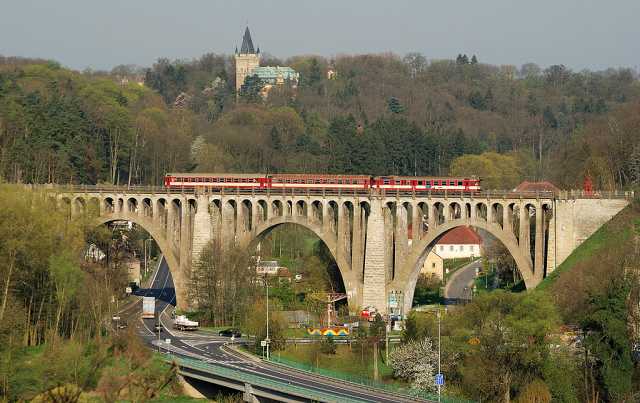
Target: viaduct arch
379,241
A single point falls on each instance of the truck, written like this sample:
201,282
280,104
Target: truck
182,323
148,307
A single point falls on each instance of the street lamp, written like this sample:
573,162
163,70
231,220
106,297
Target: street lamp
439,387
266,283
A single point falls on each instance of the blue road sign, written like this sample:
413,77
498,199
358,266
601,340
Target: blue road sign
439,379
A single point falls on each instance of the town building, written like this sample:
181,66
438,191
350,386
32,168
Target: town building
248,64
271,268
544,186
460,242
433,266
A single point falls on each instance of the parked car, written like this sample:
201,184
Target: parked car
230,332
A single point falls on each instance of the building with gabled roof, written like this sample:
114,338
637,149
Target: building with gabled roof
543,186
460,242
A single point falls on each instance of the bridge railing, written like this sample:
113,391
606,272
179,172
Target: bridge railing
257,380
364,381
484,194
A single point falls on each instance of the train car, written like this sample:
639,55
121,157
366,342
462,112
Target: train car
229,181
322,182
319,182
425,184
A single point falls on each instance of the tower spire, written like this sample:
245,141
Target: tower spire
247,43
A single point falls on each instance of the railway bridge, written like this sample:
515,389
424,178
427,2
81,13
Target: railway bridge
379,241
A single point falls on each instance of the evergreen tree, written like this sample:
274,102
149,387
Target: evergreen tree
474,59
607,339
394,105
250,90
315,73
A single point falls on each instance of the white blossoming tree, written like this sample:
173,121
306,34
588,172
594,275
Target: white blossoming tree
416,362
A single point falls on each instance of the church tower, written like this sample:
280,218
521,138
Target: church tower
246,60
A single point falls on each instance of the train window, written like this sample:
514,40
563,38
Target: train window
459,183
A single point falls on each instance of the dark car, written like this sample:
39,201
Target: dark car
229,333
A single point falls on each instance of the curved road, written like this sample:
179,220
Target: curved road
458,288
210,348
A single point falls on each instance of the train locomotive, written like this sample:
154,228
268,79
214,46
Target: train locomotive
321,182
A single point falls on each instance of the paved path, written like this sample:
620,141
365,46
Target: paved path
458,287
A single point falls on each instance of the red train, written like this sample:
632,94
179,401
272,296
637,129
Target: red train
320,182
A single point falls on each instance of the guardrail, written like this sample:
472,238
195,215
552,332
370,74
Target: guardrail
486,194
363,381
258,381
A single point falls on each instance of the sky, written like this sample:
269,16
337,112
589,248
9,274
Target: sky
581,34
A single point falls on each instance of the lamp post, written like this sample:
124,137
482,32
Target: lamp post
439,387
266,283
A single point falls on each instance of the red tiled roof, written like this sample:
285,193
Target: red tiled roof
544,186
460,236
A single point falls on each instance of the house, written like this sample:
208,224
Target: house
460,242
544,186
271,268
267,267
433,266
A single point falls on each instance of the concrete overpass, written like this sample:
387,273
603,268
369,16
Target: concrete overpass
367,234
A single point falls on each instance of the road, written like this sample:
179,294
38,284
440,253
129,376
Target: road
458,288
210,348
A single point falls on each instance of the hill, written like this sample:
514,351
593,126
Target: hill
608,256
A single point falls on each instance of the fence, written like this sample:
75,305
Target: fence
397,389
258,381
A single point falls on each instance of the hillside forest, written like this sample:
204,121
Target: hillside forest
379,114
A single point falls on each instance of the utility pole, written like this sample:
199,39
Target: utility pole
439,387
266,282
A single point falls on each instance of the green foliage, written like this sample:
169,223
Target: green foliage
250,89
608,339
394,105
328,345
427,290
496,170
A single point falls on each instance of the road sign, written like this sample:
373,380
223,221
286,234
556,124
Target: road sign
393,301
263,343
439,379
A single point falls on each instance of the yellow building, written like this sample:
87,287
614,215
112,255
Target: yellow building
433,265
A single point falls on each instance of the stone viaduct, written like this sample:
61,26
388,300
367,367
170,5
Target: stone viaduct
379,241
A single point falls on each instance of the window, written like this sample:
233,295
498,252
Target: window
433,265
451,248
441,248
459,183
470,248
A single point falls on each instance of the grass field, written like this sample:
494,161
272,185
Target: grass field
617,231
346,360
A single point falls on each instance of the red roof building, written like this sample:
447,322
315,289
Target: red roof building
544,186
461,236
460,242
